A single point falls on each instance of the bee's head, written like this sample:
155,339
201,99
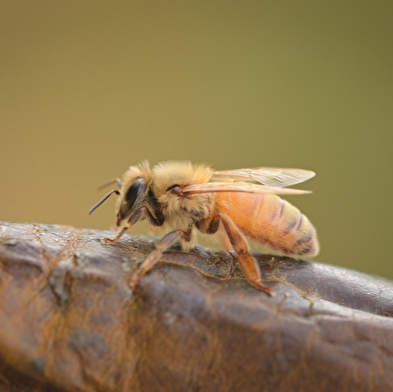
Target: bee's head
133,191
132,197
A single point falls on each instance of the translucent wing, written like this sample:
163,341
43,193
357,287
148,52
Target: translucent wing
272,177
213,187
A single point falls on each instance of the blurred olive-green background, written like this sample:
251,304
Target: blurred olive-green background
88,88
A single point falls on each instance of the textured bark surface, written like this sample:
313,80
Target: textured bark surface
69,322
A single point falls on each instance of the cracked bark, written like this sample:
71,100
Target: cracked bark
69,322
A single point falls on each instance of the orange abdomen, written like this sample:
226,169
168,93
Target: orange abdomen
270,221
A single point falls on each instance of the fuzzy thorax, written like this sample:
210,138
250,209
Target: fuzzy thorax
179,212
171,173
182,212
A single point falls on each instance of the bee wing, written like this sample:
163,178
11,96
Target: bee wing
213,187
268,176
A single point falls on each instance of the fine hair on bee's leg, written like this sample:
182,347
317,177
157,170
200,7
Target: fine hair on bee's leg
154,256
247,263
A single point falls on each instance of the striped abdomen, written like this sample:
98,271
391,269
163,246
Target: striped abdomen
270,221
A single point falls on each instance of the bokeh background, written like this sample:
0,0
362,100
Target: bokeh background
88,88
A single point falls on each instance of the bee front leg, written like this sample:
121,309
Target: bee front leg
248,264
131,222
154,256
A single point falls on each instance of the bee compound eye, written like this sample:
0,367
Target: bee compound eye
132,194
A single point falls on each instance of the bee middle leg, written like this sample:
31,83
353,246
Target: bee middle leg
154,256
248,264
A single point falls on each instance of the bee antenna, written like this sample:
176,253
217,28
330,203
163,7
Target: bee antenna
117,180
101,201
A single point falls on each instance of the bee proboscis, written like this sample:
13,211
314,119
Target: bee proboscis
238,203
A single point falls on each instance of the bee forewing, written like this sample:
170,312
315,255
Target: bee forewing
213,187
273,177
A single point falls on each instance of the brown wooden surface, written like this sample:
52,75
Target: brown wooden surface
69,322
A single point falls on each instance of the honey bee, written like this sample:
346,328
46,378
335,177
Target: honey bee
238,203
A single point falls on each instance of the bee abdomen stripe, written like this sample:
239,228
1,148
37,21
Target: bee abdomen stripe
305,238
300,222
282,208
289,227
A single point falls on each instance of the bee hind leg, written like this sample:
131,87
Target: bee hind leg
154,256
248,264
226,240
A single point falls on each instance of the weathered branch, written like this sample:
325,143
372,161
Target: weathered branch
69,322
